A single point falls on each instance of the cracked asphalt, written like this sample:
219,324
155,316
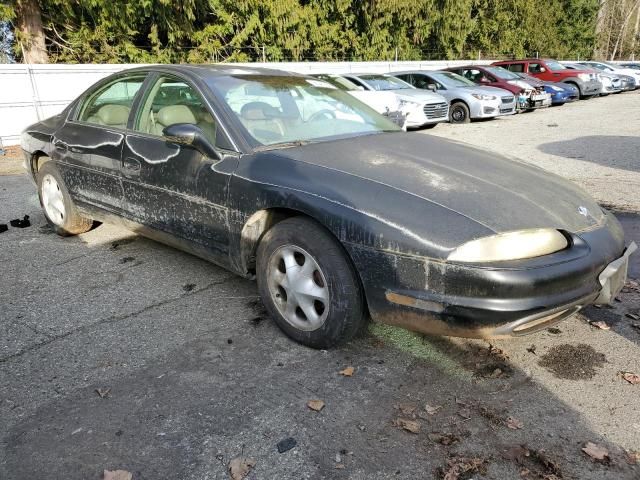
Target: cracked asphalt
194,374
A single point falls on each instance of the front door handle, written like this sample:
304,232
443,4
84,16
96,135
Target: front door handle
132,164
60,146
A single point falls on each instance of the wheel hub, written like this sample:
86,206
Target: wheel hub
52,200
298,287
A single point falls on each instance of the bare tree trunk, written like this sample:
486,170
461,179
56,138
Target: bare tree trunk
600,27
622,29
30,32
636,31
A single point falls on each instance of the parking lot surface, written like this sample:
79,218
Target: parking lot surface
117,352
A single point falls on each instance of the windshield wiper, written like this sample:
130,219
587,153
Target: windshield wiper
275,146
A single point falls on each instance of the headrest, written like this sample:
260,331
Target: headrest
175,114
113,114
258,111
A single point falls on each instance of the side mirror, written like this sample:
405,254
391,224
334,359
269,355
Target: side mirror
189,135
542,70
432,86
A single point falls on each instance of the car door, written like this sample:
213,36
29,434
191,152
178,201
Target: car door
172,189
88,147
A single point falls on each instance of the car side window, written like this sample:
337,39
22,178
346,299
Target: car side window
474,75
516,67
357,82
110,105
170,101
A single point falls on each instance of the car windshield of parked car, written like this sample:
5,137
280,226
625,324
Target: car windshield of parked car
554,66
282,110
382,82
502,73
452,80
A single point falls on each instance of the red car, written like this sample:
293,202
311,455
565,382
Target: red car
529,96
586,81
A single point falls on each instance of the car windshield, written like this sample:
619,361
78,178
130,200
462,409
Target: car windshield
554,66
282,110
502,73
339,82
527,77
452,80
382,82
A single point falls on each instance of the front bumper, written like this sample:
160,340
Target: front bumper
492,108
592,87
437,297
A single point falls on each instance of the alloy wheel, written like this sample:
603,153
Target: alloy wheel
52,200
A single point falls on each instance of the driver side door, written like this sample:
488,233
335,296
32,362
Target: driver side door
176,190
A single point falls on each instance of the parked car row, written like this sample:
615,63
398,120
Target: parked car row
424,98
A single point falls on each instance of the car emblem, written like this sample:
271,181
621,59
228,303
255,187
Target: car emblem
583,211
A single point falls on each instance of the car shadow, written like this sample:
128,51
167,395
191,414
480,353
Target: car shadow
595,149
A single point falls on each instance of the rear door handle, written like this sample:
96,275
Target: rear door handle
132,164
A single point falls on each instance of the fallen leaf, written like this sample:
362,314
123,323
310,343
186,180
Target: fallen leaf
517,453
407,408
116,475
340,466
601,325
432,410
465,413
596,452
408,425
632,378
457,467
103,392
347,372
514,423
240,467
632,457
316,405
443,438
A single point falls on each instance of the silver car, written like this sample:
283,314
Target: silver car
467,100
423,108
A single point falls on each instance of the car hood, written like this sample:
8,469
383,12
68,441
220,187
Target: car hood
496,91
418,95
497,193
379,101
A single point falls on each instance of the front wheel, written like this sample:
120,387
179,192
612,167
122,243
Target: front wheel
459,113
58,208
308,285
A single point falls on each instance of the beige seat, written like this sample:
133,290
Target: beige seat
111,115
171,115
260,119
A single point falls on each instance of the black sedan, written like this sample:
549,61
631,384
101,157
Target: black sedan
339,215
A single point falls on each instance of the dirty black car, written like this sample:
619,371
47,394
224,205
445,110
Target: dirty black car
338,214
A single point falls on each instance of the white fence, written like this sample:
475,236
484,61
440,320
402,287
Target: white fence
29,93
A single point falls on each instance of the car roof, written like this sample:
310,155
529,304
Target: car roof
212,70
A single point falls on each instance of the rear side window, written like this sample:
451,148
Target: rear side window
110,105
515,67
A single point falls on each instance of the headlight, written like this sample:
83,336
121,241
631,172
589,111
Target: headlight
510,246
480,96
409,104
584,77
557,89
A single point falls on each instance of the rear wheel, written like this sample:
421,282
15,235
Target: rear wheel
459,113
58,208
308,285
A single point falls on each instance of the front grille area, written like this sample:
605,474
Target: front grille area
507,99
436,110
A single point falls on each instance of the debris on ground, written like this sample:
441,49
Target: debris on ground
286,444
20,223
188,287
632,457
411,426
443,438
104,392
632,378
600,324
572,362
633,316
240,467
116,475
596,452
532,349
534,463
315,405
407,409
514,424
432,409
631,286
347,372
127,259
554,331
460,467
3,227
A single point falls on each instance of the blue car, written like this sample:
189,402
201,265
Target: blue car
561,93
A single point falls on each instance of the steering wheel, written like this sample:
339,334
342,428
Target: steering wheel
316,115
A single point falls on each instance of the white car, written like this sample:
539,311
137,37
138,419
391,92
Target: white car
608,67
423,108
611,82
386,103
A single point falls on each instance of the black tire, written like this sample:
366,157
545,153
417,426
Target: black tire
459,113
346,312
72,222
